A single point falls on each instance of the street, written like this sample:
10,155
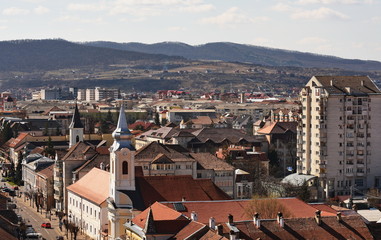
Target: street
34,218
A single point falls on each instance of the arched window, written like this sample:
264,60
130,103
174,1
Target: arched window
77,139
125,167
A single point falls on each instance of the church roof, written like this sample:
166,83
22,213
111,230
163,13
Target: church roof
76,121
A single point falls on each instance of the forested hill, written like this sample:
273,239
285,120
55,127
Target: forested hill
233,52
42,55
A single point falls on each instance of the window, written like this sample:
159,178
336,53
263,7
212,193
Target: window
125,167
178,166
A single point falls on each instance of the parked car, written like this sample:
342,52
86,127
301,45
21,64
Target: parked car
29,229
46,225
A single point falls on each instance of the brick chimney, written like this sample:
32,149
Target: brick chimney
338,216
194,216
318,217
279,219
232,235
230,219
212,223
220,229
256,220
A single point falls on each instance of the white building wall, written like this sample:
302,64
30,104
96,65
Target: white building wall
87,215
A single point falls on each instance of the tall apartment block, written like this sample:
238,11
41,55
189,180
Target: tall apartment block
339,136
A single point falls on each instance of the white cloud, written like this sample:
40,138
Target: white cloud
282,7
305,2
320,13
197,8
94,7
41,10
3,27
76,19
34,1
176,29
312,40
231,17
12,11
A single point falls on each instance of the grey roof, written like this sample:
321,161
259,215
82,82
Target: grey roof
297,179
359,85
122,135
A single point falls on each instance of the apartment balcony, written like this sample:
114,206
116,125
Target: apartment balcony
349,174
359,174
360,165
350,148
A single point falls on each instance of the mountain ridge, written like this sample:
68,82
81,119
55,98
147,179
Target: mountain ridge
246,53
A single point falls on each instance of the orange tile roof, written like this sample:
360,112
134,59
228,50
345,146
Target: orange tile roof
18,140
94,186
189,230
160,212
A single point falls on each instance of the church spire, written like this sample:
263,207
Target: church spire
122,135
76,121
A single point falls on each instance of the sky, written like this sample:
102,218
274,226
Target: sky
343,28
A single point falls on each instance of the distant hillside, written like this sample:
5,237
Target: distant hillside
232,52
32,55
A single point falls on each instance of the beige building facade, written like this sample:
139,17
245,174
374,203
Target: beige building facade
339,134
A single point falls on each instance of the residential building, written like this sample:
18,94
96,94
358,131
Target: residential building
50,94
90,94
106,93
340,133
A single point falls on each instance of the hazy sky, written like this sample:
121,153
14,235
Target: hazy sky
345,28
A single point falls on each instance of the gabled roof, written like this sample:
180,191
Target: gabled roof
79,151
94,186
18,140
190,229
218,135
161,158
173,152
209,161
279,128
160,213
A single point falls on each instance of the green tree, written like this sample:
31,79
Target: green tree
109,117
49,150
18,174
5,133
157,119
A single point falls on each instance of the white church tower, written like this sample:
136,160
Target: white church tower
122,177
75,129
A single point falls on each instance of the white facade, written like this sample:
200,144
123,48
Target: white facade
90,94
91,218
339,134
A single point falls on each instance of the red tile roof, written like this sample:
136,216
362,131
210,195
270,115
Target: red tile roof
221,209
18,140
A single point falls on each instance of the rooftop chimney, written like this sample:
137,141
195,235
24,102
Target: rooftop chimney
331,82
232,235
338,216
220,229
318,217
362,83
230,219
194,216
280,219
212,223
183,199
102,166
257,221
